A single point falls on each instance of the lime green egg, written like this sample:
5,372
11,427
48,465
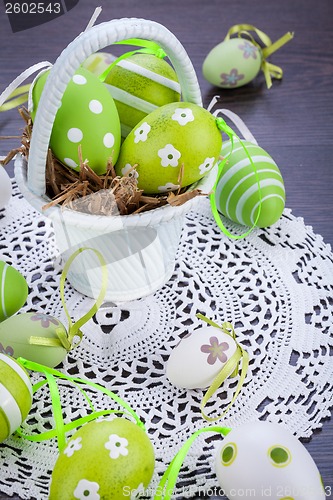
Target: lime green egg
13,290
26,335
109,459
174,146
15,396
237,194
87,117
139,84
232,63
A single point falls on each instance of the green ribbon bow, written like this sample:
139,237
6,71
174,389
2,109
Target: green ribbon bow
230,369
65,339
269,70
61,427
148,47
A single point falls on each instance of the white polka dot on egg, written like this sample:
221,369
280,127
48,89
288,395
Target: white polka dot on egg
108,140
95,106
79,79
75,135
70,163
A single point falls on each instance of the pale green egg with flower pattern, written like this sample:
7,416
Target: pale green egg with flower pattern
232,63
28,335
105,459
174,146
139,84
87,117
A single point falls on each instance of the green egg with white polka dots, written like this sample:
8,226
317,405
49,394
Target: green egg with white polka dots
172,147
87,117
105,459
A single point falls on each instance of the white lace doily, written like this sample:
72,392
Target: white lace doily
275,287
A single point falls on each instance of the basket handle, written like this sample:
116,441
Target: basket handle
92,40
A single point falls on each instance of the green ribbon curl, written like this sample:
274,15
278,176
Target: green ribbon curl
221,124
269,70
17,97
61,427
65,339
167,483
230,369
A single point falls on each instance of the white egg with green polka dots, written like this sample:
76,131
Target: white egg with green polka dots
264,460
174,146
87,117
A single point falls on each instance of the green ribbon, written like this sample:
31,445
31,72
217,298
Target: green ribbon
16,98
65,339
221,124
61,427
269,70
230,369
167,483
149,47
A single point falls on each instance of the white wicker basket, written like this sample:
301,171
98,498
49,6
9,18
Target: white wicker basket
139,249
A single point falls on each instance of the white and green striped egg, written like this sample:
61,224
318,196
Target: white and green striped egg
13,290
88,117
237,193
175,138
15,396
140,84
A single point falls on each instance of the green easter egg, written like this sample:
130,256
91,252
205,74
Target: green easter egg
13,290
237,193
171,137
109,459
88,117
98,62
232,63
140,84
15,396
16,333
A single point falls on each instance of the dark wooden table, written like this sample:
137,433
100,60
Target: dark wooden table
292,121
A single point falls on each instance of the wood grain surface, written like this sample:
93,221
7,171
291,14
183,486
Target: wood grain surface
292,121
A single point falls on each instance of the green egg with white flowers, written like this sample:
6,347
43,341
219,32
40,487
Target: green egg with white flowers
29,335
87,117
109,459
237,194
172,147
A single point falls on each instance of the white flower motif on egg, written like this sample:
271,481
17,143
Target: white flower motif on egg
141,133
207,165
73,446
169,156
168,187
183,116
129,171
87,490
117,446
137,492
